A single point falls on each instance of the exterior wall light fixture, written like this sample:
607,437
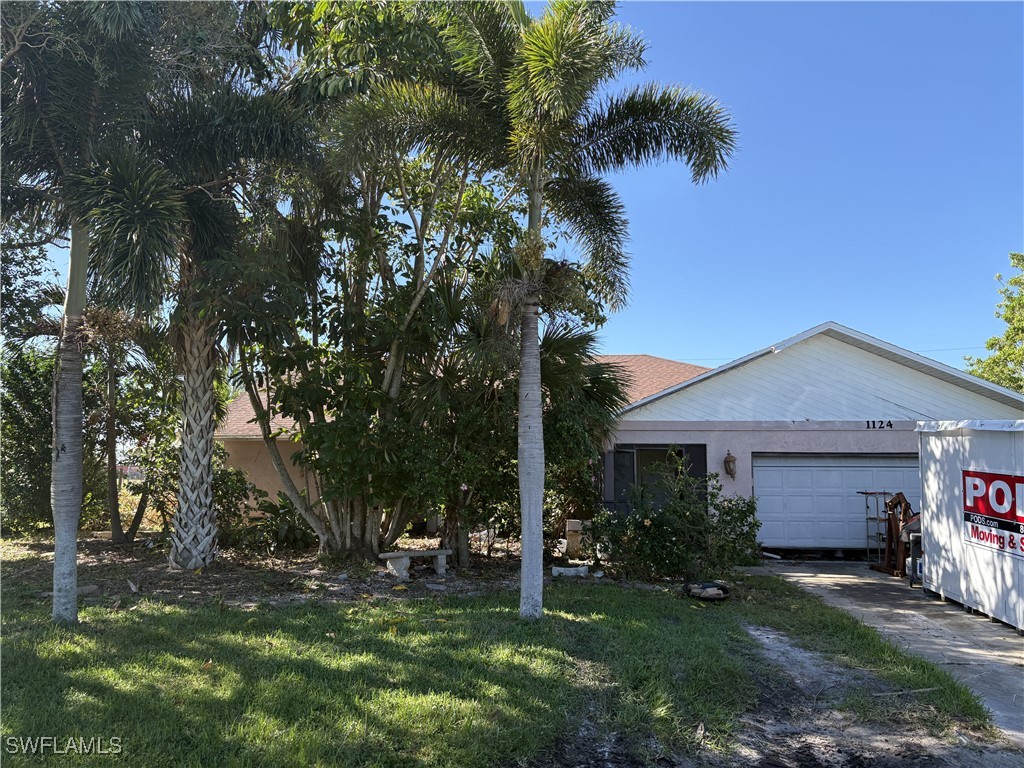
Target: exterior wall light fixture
730,465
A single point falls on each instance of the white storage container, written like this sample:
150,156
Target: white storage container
972,514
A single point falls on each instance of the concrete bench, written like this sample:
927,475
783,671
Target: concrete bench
398,562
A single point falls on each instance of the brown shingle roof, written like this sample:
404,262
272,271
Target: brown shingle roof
647,375
239,421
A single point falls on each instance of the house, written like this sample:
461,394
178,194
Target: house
241,437
809,422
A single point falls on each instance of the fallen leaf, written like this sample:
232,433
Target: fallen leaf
331,635
209,663
366,596
400,587
133,586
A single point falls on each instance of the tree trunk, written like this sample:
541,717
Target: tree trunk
463,548
113,503
531,425
450,534
140,511
531,467
291,491
194,526
66,473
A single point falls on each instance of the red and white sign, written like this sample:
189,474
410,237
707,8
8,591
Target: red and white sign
994,511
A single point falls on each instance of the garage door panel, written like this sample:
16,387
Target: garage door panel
769,478
828,480
888,480
862,479
799,532
827,506
798,507
798,480
773,529
812,501
833,530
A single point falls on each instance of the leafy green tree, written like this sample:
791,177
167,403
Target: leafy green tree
1005,363
25,433
25,276
545,80
403,210
25,438
582,402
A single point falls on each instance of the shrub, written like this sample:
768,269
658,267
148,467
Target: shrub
680,526
234,497
26,431
281,527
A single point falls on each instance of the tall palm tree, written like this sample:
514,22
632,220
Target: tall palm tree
217,124
216,144
544,80
73,82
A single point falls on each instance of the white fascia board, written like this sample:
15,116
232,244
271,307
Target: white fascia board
981,425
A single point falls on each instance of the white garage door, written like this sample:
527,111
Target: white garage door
811,501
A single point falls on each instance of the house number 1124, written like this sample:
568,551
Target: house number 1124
877,425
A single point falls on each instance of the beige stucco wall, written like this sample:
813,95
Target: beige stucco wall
744,438
251,456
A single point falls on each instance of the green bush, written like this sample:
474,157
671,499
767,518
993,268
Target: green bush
694,532
281,527
234,497
26,431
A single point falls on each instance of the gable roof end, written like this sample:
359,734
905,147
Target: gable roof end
870,344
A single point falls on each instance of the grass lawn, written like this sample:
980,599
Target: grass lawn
446,682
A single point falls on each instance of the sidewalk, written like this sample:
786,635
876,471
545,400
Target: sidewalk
986,656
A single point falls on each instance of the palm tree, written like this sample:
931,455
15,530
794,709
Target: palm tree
216,122
216,145
544,80
73,80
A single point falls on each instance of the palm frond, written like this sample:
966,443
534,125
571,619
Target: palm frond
210,136
596,218
401,118
482,38
650,123
135,213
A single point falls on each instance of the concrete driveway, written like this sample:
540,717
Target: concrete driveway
986,656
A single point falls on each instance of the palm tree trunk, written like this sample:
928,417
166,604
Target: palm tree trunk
194,526
113,503
531,425
66,476
531,466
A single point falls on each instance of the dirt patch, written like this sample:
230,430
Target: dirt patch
129,572
797,724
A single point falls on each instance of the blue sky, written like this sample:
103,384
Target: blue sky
879,180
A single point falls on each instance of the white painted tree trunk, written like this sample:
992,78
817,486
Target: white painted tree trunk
194,525
531,467
66,472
